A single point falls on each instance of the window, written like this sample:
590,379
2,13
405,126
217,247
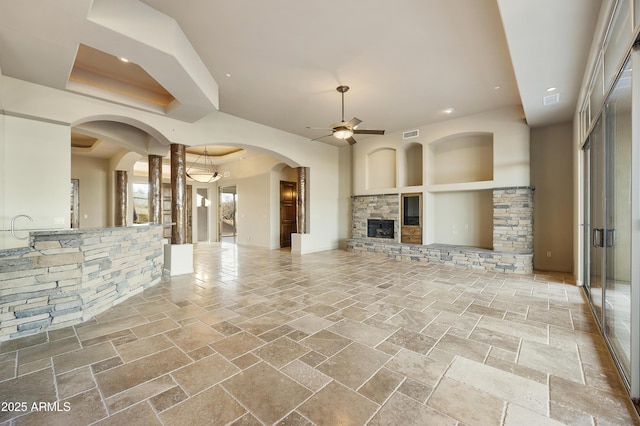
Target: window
140,203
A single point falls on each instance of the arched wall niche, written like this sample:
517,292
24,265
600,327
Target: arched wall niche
462,157
411,165
381,168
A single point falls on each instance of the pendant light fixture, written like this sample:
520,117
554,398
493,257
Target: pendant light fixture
203,173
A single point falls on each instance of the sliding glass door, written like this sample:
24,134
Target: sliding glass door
617,220
608,220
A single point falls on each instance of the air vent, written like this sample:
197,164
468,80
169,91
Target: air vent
410,134
551,99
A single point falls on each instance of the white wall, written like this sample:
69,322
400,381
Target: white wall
344,192
552,177
253,213
35,176
93,174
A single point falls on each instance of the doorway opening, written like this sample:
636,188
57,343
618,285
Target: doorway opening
228,230
202,213
288,211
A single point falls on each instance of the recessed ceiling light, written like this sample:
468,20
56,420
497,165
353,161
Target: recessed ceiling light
496,87
551,89
448,110
227,75
123,59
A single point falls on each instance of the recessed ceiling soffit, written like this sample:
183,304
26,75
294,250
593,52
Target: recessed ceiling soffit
164,74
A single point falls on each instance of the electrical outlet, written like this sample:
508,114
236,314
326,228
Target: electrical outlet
548,254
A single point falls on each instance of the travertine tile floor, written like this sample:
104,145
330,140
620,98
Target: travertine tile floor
258,336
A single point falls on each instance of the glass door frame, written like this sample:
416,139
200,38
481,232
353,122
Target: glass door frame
632,381
634,385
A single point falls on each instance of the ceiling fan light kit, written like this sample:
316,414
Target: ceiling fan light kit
342,132
346,129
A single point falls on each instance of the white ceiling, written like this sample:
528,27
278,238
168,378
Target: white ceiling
278,62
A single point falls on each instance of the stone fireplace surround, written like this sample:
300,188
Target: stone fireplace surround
512,234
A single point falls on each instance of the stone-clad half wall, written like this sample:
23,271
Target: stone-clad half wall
66,277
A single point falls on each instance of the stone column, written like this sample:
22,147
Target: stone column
155,189
122,198
513,220
302,200
178,194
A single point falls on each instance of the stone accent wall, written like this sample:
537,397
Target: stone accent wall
468,257
512,234
386,206
513,220
67,277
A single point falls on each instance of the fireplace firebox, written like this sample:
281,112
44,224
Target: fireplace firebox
380,228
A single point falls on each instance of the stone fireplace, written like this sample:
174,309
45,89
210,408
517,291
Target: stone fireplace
512,233
375,207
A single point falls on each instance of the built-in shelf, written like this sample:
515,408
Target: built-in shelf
463,186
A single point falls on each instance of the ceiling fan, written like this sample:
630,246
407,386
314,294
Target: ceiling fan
346,129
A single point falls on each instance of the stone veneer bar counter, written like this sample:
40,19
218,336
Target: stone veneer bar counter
68,276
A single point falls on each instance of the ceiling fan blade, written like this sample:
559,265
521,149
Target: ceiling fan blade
320,137
369,132
319,128
353,123
350,140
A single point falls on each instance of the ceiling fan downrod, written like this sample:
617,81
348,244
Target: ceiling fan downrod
342,89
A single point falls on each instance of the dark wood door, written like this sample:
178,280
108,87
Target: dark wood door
288,211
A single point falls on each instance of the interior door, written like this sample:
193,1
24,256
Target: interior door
288,211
